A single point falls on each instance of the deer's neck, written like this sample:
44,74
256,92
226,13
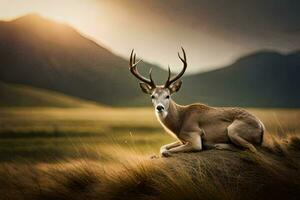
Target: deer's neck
173,120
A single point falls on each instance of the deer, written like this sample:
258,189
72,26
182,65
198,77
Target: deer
197,126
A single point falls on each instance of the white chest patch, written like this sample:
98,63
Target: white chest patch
160,118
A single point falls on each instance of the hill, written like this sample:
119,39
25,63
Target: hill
20,95
42,53
271,173
262,79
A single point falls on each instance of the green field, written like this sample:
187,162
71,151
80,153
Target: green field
99,133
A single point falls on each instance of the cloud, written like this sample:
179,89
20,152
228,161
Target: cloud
215,32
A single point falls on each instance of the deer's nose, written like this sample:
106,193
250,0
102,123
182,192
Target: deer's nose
160,108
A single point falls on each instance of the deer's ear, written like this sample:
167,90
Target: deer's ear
174,87
146,88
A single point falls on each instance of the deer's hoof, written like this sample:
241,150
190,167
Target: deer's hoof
165,153
219,147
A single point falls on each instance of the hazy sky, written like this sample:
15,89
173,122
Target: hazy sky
214,33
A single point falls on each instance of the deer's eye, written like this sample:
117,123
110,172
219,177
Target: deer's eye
168,97
152,97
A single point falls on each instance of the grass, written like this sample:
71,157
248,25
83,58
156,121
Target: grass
104,153
42,134
273,173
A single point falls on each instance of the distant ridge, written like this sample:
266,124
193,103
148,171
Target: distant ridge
261,79
12,95
39,52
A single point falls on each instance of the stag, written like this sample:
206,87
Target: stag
197,126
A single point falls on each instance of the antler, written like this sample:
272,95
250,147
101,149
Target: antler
175,78
134,71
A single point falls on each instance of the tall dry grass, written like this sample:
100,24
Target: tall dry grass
271,173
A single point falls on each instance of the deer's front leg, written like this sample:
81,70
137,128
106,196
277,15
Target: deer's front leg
166,147
192,143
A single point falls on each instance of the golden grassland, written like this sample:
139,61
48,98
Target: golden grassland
104,153
50,134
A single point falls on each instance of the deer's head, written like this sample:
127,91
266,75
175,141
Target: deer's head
160,94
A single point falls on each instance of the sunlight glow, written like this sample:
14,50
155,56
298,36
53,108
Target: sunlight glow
117,26
120,25
84,15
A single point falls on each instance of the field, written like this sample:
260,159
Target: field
98,145
51,134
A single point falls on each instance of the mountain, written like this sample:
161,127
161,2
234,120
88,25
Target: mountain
261,79
39,52
20,95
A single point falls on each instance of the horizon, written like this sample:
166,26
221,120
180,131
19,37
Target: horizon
167,30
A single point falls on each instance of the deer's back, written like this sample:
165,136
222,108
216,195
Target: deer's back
214,121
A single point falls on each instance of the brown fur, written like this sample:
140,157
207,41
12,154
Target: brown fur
213,125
